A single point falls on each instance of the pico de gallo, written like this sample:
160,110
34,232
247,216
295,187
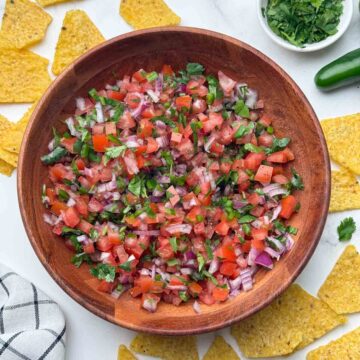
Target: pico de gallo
172,185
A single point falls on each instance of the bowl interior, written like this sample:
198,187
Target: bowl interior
292,116
345,20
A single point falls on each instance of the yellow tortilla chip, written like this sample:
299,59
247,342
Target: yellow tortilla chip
8,161
341,289
345,348
343,139
220,349
345,191
142,14
11,140
5,168
166,347
292,321
24,23
5,43
125,354
23,76
78,35
51,2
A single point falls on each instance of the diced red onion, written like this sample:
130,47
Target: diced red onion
214,266
177,287
268,188
181,190
179,228
196,307
144,272
99,113
262,200
159,84
104,255
131,165
51,145
71,202
181,88
234,293
276,213
147,233
163,179
116,293
141,107
186,271
257,224
80,103
189,255
82,238
274,254
50,219
238,204
289,242
71,126
251,98
246,279
275,192
277,243
209,142
236,283
150,305
162,141
153,95
237,251
153,272
252,256
264,260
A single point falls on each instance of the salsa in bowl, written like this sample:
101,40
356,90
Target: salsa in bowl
173,186
162,265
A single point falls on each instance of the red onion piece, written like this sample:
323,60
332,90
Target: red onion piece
147,233
272,253
214,266
179,228
196,307
264,260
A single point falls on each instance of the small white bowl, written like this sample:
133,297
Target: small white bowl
342,27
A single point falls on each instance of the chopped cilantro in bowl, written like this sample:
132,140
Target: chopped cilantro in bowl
306,25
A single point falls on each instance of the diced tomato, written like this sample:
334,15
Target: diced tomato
116,95
71,217
145,128
167,70
288,205
182,102
126,121
199,228
222,228
85,226
69,144
103,244
226,252
100,142
278,157
132,99
265,120
152,145
206,298
215,120
280,179
196,214
220,294
106,287
264,174
259,234
253,160
186,148
58,207
195,289
258,244
139,75
82,206
228,268
114,237
176,137
225,167
226,83
59,172
110,128
89,248
217,148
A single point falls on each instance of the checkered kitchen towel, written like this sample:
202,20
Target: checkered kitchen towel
32,326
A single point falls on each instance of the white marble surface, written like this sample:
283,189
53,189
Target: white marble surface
89,337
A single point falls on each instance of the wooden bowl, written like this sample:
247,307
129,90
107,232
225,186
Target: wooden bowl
285,103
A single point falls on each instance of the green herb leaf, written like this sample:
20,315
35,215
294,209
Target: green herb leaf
241,109
78,259
244,130
104,272
194,69
296,181
247,219
346,229
201,261
137,186
252,148
63,195
173,243
277,145
116,151
126,266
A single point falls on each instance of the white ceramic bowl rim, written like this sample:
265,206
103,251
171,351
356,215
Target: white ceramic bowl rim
345,20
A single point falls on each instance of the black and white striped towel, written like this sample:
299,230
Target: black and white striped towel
32,326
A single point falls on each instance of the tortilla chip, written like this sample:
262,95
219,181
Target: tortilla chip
142,14
125,354
23,76
220,349
5,43
343,139
341,289
292,321
166,347
11,140
78,35
5,168
345,191
346,347
24,23
44,3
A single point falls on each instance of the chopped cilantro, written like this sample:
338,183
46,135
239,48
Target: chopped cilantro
104,272
346,229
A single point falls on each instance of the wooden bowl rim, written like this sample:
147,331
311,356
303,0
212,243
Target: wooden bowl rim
323,211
